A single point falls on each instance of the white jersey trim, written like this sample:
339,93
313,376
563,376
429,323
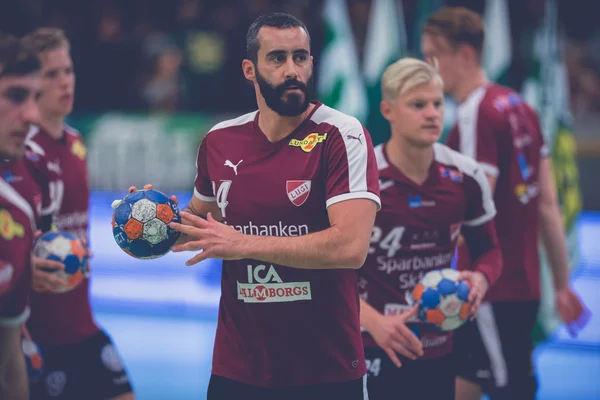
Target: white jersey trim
469,167
357,152
241,120
72,131
490,169
353,195
202,197
36,148
490,335
380,157
16,321
468,116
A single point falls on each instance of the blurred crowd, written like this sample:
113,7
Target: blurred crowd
185,55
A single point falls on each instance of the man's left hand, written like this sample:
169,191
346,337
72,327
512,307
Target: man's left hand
479,287
215,239
572,311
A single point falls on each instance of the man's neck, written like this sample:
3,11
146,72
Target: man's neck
274,126
53,125
414,162
468,84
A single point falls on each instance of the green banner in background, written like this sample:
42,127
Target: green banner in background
130,149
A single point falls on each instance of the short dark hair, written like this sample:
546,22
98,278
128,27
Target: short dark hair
45,39
458,25
15,59
274,20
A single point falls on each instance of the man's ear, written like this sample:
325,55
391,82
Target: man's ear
248,68
386,109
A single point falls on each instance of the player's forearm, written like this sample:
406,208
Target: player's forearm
368,316
554,240
327,249
15,385
484,248
13,372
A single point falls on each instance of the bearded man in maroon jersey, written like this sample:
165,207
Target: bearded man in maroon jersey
295,184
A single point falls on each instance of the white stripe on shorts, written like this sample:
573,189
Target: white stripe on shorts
365,392
491,341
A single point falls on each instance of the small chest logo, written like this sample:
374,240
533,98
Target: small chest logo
309,142
229,164
297,191
9,228
355,137
453,175
78,149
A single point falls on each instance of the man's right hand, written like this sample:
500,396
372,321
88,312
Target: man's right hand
44,278
394,337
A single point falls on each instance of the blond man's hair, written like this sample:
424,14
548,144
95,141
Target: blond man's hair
45,39
406,74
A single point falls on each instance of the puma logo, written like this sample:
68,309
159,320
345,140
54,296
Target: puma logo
234,166
385,184
355,137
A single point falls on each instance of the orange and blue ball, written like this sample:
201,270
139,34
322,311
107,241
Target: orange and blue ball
140,224
65,248
443,299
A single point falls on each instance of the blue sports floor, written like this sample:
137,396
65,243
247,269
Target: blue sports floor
162,316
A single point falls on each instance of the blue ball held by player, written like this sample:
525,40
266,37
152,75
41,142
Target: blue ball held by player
140,223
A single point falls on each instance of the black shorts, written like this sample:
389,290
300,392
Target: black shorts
431,378
91,369
220,388
495,350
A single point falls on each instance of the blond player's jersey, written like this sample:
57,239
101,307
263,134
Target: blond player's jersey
416,231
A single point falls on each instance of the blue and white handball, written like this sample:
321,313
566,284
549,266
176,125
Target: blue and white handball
140,224
443,299
65,248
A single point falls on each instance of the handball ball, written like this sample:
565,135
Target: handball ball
140,224
65,248
443,299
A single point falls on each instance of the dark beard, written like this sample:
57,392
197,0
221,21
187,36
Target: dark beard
293,104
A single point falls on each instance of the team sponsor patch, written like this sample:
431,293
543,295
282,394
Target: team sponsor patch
9,228
297,191
309,142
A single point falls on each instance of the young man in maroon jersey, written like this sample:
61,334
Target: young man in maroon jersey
295,184
429,194
80,361
497,128
19,87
